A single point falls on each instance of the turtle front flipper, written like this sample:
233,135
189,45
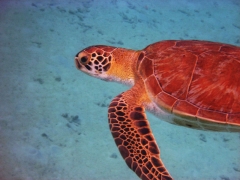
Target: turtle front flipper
132,134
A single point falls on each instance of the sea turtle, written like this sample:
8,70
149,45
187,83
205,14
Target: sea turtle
187,82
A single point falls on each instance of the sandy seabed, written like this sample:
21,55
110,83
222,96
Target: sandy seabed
53,118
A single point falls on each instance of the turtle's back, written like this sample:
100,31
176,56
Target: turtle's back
198,81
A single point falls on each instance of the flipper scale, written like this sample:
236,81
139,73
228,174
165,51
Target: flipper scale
134,139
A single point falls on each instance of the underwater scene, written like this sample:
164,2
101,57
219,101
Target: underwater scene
54,118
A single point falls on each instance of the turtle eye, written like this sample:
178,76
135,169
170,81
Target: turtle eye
84,59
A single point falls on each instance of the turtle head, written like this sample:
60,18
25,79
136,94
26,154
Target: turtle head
108,63
95,61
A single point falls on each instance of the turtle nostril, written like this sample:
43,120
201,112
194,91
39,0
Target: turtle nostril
84,59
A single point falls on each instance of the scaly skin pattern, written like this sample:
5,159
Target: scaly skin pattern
134,139
190,83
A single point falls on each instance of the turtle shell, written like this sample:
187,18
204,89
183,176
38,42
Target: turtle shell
196,81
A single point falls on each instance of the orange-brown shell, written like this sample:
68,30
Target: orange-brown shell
196,80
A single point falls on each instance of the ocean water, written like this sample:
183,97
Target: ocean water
53,118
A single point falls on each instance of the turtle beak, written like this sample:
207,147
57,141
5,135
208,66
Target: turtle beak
77,54
78,65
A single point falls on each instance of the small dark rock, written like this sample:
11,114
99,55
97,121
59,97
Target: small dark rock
65,115
39,80
202,137
224,177
114,156
58,79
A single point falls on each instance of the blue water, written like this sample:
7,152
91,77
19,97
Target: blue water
53,118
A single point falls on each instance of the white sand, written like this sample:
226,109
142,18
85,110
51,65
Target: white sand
40,86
